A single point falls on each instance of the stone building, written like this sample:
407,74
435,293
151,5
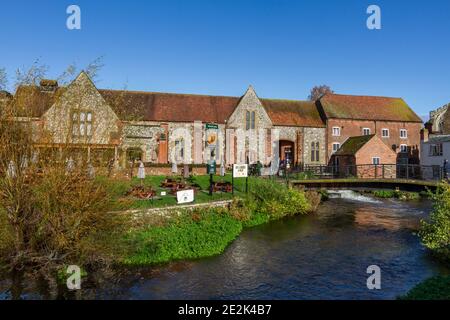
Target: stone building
439,122
161,128
390,119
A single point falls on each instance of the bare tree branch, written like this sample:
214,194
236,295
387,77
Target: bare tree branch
318,91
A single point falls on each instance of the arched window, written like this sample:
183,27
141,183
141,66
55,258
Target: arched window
250,120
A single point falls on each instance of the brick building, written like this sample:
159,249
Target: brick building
365,156
163,128
390,119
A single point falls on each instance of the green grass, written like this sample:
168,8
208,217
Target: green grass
207,232
188,237
118,189
436,288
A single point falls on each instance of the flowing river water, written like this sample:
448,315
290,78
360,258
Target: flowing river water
320,256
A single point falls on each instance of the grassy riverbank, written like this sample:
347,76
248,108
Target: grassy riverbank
436,288
208,232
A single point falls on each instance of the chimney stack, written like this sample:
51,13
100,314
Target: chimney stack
48,85
424,135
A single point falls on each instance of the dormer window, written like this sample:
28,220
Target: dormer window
250,120
82,124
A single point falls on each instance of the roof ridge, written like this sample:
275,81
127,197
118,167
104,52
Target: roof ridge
287,100
359,95
170,93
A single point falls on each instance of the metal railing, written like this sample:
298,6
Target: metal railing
369,171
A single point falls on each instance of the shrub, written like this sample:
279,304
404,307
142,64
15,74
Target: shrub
435,234
277,200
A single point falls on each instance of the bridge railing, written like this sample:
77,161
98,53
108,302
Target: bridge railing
369,171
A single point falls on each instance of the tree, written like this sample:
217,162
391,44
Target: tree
435,234
50,216
318,91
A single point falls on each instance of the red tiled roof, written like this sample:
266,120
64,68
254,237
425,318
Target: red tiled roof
293,113
31,101
367,108
149,106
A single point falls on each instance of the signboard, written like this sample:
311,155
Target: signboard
211,167
240,170
185,196
212,137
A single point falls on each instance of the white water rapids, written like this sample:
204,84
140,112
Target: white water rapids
351,195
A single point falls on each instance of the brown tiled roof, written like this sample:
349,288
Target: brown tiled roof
367,108
31,101
149,106
353,144
293,113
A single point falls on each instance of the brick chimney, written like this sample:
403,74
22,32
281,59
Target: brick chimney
424,135
48,85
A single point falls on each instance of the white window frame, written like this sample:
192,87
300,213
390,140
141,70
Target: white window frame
406,134
336,144
406,148
364,129
338,129
385,130
373,160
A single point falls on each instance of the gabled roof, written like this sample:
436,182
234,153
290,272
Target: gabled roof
340,106
351,146
293,113
31,101
169,107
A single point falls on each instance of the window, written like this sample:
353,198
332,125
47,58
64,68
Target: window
403,148
376,160
385,133
315,152
366,131
436,150
81,124
179,149
250,117
336,146
403,133
336,131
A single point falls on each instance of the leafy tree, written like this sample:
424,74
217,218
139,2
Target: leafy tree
319,91
435,234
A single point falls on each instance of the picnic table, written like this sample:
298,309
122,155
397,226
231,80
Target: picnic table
222,187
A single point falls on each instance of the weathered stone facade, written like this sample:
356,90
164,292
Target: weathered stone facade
163,128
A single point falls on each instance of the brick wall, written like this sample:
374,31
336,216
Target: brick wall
350,128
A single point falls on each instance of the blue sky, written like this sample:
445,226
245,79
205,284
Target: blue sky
283,48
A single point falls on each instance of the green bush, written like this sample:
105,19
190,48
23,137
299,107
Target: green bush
384,194
201,234
435,234
436,288
402,195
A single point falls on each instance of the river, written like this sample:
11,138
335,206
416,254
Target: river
320,256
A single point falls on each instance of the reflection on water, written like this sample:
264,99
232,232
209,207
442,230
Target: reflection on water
322,256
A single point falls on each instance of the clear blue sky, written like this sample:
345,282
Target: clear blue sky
282,48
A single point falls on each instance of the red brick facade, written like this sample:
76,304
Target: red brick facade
351,128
